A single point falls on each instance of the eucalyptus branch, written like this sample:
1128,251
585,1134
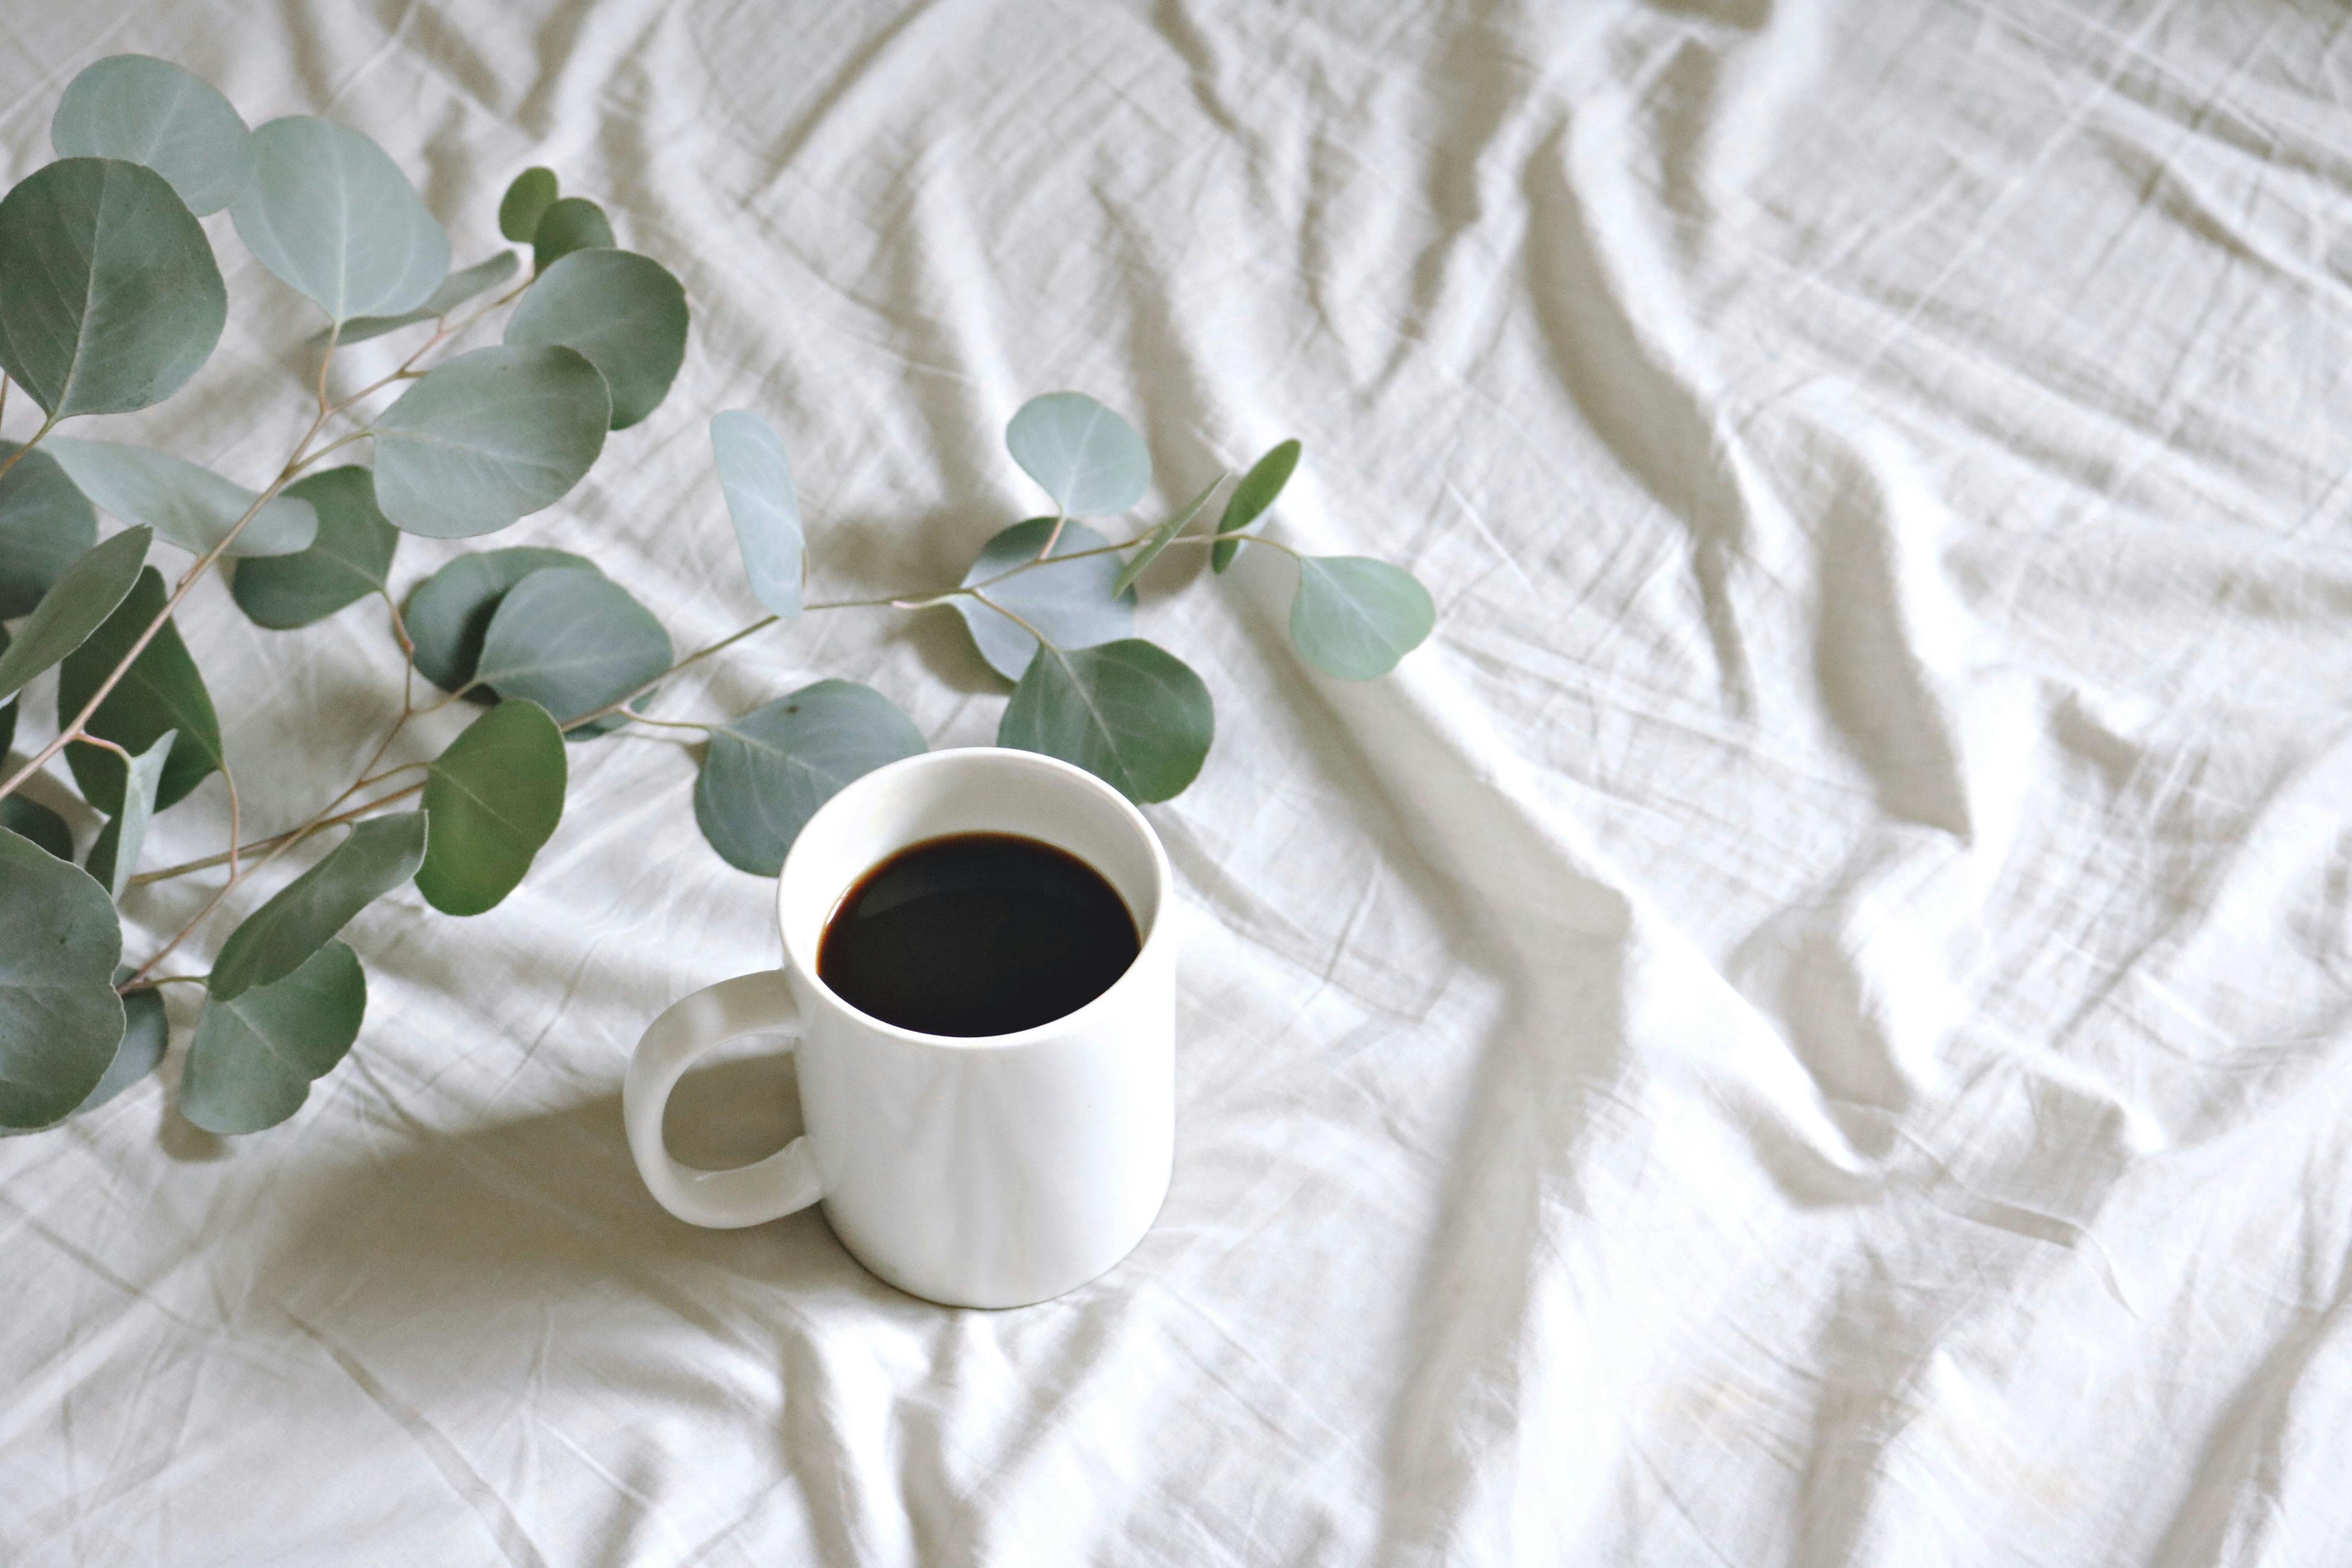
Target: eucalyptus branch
305,830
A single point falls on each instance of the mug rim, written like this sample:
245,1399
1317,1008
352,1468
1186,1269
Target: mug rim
994,756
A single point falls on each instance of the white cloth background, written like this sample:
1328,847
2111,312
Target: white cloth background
1810,1025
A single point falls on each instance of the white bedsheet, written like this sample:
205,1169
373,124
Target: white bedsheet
1809,1025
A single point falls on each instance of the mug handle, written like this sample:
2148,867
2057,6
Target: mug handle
783,1183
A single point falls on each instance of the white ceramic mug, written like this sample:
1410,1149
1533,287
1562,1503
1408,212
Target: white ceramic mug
987,1172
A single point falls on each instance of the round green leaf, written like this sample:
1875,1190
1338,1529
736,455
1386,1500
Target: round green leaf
31,819
149,111
624,313
1162,536
756,474
454,290
571,640
192,507
349,558
449,613
494,796
256,1055
61,1020
115,855
84,596
1129,712
336,220
525,203
146,1034
1088,459
569,224
108,296
488,438
1251,496
1072,603
44,523
767,771
279,936
1355,617
160,691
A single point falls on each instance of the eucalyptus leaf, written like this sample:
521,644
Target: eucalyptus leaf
160,691
335,220
115,855
488,438
305,915
573,641
1072,603
149,111
146,1032
192,507
44,523
84,596
1251,497
1162,536
1354,617
1129,712
9,708
349,558
1089,459
61,1020
525,203
767,771
454,290
756,475
569,224
449,613
31,819
624,313
494,797
109,295
256,1055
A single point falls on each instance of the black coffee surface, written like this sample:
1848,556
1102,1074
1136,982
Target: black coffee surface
976,934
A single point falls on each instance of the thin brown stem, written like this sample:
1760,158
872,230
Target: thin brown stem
278,840
696,657
153,981
103,744
235,817
18,455
1017,619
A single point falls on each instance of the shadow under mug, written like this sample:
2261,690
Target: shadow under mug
994,1171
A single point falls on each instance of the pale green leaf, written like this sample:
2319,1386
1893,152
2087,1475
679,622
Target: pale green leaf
115,855
756,475
255,1054
767,771
1089,459
449,613
494,797
149,111
488,438
1071,602
305,915
1129,712
192,507
624,313
573,641
1354,617
46,523
335,220
454,290
61,1020
1162,536
85,593
108,296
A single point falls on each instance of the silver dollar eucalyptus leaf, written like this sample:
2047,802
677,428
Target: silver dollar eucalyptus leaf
115,855
525,203
568,223
573,641
44,523
494,797
335,220
280,936
768,772
192,507
454,290
85,595
61,1020
756,475
108,296
1072,604
623,311
1089,459
349,558
256,1055
1129,712
1354,617
449,613
149,111
488,438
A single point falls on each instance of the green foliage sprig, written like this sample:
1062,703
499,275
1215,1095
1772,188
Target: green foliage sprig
110,299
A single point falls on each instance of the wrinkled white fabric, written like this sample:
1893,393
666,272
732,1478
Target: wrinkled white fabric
1810,1025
